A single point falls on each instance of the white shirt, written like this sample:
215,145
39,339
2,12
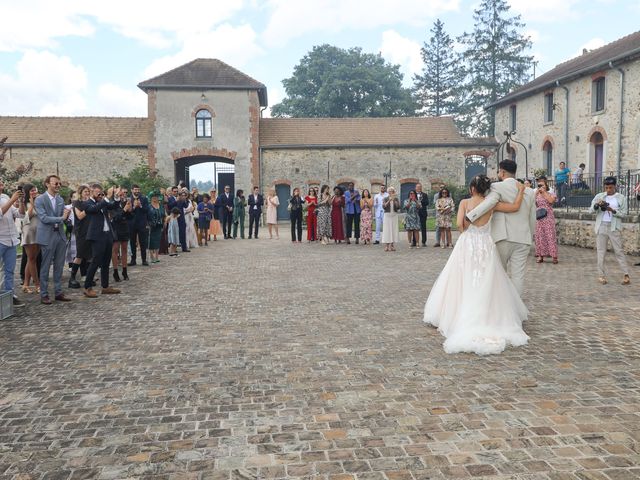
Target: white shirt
53,202
613,203
8,230
577,173
377,203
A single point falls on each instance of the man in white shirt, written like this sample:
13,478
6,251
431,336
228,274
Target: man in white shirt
378,210
9,237
610,207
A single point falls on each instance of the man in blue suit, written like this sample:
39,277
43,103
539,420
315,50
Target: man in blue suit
138,225
224,202
51,238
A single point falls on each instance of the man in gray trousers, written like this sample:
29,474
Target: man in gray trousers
51,238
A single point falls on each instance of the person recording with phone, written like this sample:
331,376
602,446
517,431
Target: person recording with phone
120,218
610,206
10,209
545,236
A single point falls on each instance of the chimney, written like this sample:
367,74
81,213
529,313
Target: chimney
585,51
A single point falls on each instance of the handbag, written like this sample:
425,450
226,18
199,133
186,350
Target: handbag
541,213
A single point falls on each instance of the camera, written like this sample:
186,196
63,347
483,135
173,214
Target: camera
603,206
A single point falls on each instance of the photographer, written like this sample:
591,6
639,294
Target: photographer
610,207
9,236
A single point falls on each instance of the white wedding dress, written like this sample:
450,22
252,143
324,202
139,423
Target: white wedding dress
473,302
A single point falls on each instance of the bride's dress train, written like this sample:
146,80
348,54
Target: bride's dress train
473,302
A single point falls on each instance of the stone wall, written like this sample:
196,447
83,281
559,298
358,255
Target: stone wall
534,132
365,166
77,165
578,229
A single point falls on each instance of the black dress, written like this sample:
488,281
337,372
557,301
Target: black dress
120,223
80,227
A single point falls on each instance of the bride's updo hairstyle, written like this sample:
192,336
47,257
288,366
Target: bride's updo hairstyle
480,183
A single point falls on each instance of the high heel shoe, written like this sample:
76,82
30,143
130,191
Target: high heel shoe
26,289
116,275
125,275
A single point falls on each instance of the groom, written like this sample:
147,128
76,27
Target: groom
512,232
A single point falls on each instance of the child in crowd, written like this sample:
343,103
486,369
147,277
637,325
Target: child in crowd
173,232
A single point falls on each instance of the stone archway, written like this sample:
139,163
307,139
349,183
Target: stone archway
186,158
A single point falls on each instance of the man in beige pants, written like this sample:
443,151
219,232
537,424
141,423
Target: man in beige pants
610,206
512,232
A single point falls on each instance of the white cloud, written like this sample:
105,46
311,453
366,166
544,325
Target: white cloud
403,51
592,44
113,100
234,45
44,84
290,19
545,10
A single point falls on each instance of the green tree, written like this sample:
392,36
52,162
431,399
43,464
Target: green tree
438,88
334,82
8,175
142,176
496,63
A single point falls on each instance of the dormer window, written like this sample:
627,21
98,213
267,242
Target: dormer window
203,124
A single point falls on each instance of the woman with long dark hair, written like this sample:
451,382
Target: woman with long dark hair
29,245
366,217
324,214
311,201
295,215
337,215
545,237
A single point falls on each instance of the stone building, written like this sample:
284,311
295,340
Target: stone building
585,110
207,111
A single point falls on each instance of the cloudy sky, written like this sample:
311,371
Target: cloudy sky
85,57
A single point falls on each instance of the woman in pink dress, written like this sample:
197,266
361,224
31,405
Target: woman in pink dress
546,243
337,216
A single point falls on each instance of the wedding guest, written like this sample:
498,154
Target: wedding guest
29,246
239,204
173,231
215,229
444,211
205,214
527,183
545,236
311,200
138,225
51,238
423,202
295,215
272,203
378,210
9,237
121,217
337,215
352,212
100,236
412,218
610,206
390,234
80,226
225,206
577,177
156,222
183,204
562,180
189,221
366,216
436,196
324,214
255,211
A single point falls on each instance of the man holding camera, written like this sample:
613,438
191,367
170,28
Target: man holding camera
610,206
9,236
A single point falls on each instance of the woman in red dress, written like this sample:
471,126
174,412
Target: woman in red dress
337,217
312,220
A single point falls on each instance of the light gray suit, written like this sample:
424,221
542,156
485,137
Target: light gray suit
52,240
512,232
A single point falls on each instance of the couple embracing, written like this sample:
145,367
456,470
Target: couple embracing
474,304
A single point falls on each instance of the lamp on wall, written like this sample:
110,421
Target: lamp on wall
203,97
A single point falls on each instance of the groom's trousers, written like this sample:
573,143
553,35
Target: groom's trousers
514,257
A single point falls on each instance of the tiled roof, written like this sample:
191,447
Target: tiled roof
209,73
74,130
391,131
622,49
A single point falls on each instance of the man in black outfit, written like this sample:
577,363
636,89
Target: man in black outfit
100,235
423,200
182,203
225,205
138,225
255,211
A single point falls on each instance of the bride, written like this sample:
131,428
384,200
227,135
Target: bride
473,302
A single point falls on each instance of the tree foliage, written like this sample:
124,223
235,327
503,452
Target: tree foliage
438,88
334,82
8,175
142,176
495,63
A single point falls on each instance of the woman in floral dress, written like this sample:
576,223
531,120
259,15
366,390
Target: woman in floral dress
366,217
546,243
412,218
324,215
444,209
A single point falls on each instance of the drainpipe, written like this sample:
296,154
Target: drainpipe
260,153
619,169
566,122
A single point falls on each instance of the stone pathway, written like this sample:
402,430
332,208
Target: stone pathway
262,359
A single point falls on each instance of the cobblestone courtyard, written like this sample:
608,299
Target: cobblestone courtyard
262,359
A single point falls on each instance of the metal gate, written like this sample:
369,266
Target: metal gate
474,165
